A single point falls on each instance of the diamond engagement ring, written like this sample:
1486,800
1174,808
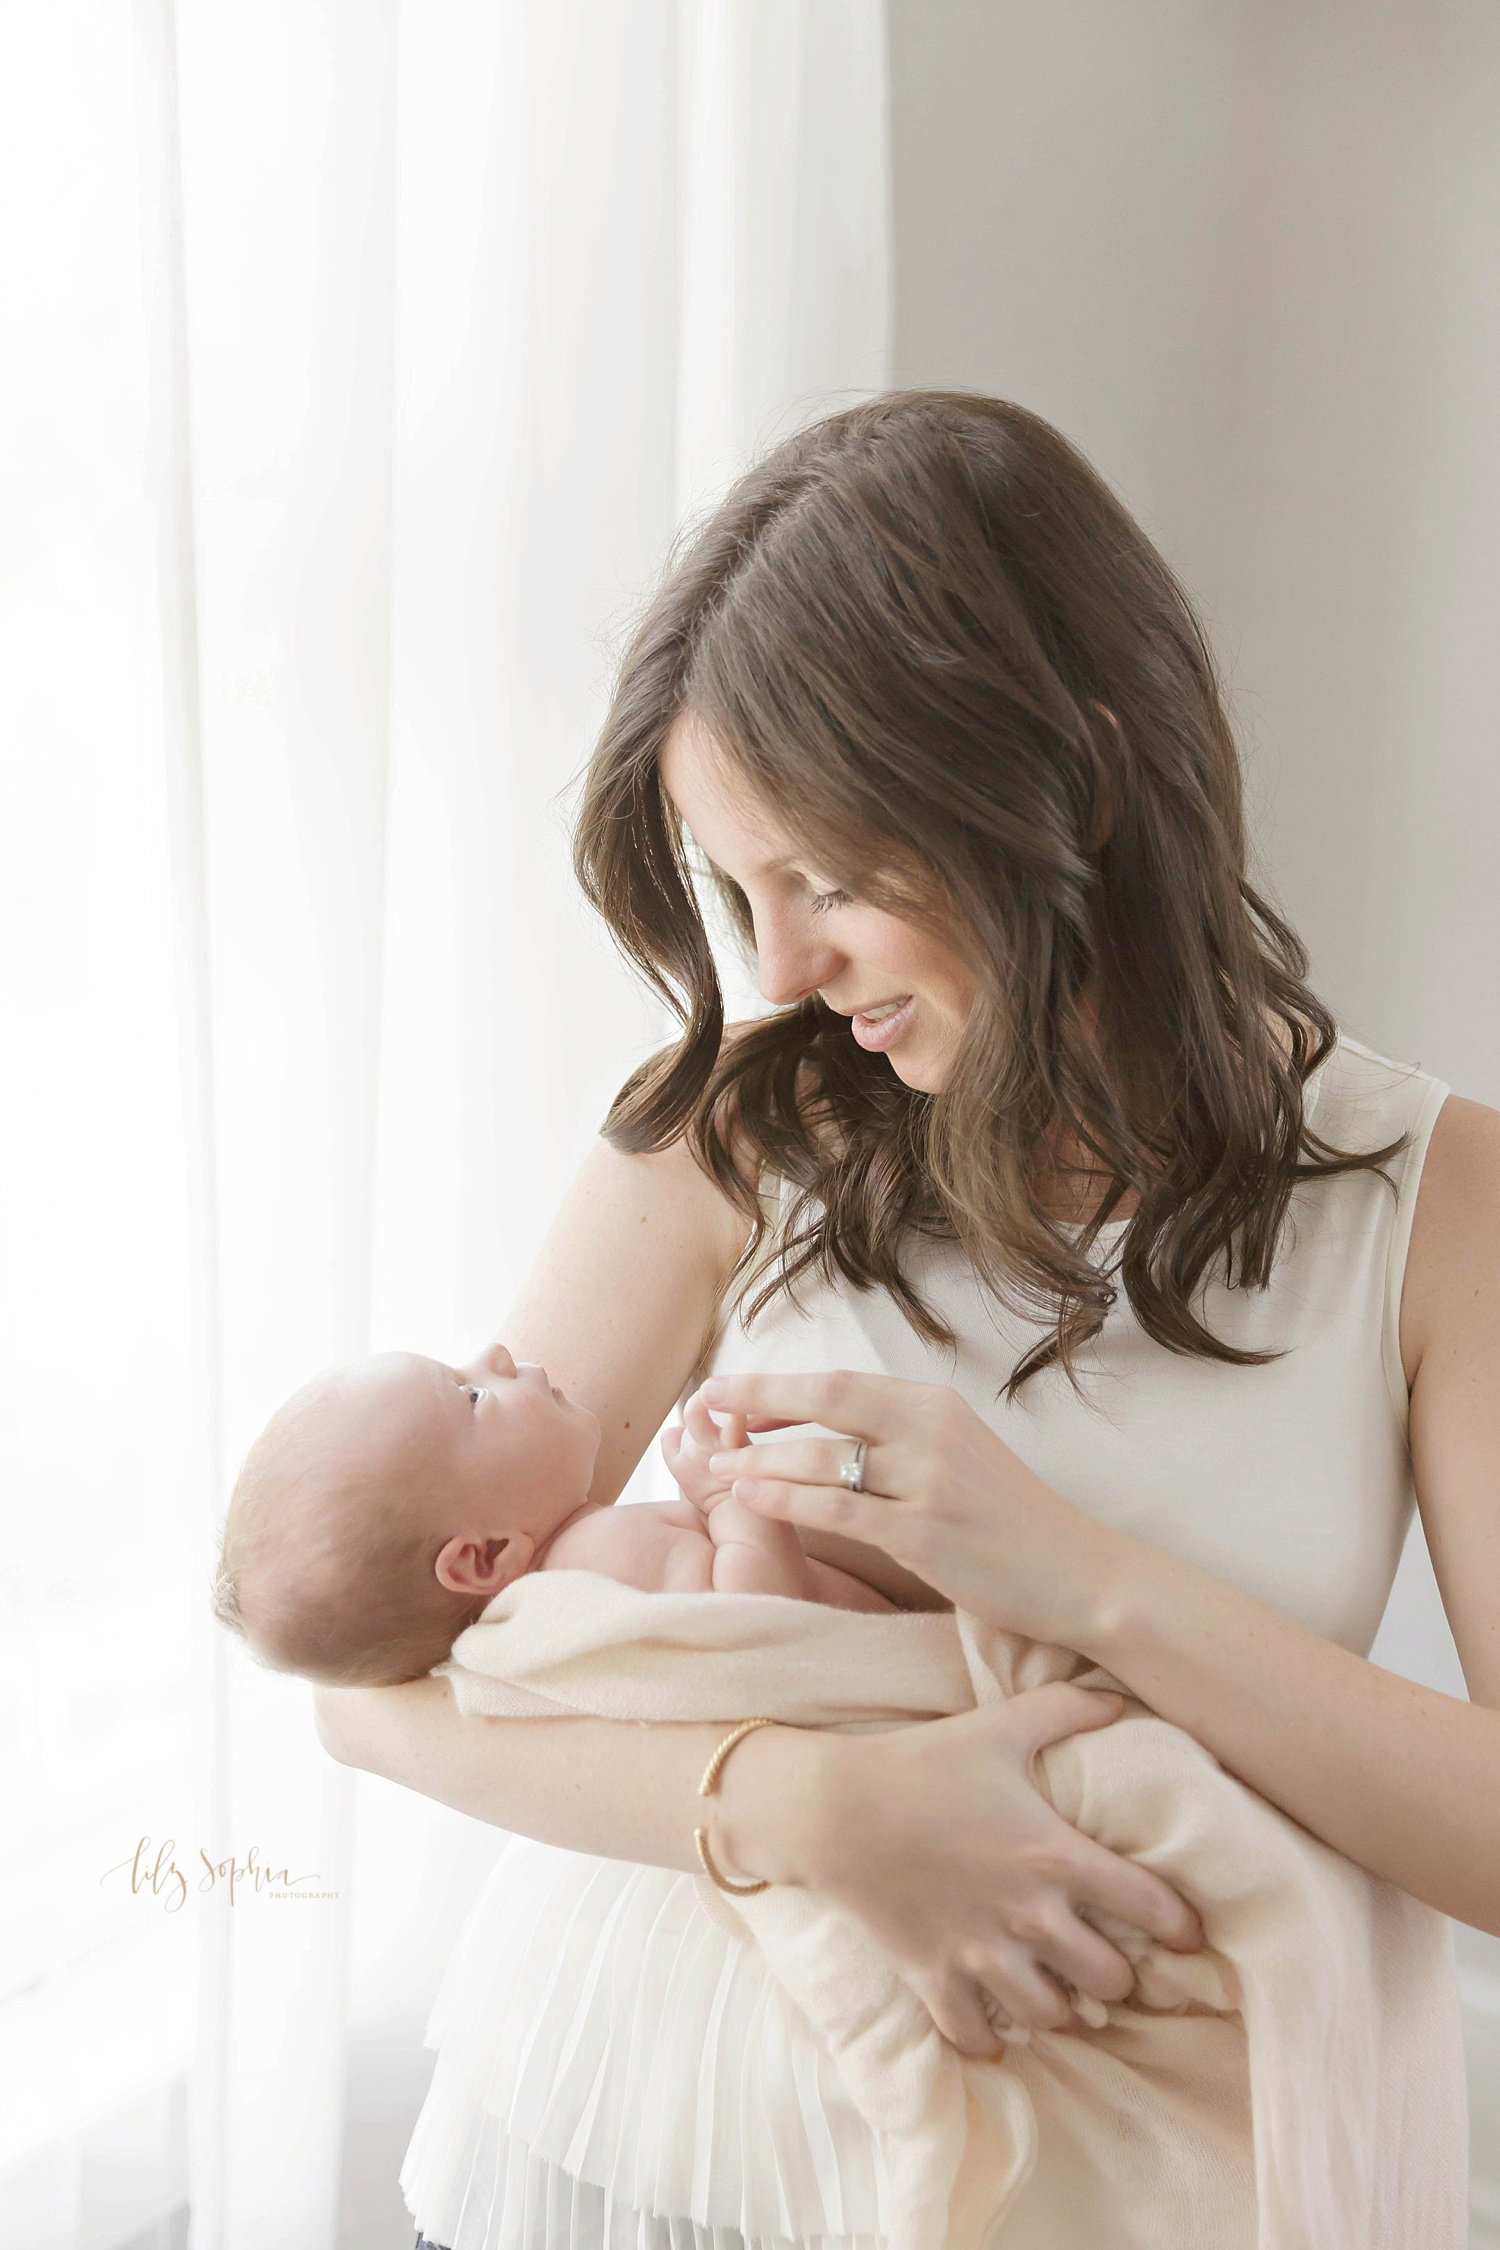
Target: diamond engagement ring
852,1471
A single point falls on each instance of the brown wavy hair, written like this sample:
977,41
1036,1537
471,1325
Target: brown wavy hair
929,637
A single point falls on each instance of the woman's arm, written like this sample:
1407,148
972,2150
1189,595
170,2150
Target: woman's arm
933,1835
610,1786
1400,1778
621,1305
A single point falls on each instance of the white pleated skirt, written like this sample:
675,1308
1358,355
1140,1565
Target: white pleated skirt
617,2071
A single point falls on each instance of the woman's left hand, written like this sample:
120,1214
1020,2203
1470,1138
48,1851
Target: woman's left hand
942,1495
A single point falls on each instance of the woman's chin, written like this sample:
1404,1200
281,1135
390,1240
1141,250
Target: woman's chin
924,1073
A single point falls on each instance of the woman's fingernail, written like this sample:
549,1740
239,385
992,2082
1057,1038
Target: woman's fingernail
746,1488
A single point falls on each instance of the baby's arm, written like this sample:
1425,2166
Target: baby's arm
706,1542
661,1547
668,1547
752,1554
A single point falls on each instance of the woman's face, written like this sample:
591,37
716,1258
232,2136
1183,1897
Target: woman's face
907,993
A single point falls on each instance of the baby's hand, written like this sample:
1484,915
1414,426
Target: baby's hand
687,1448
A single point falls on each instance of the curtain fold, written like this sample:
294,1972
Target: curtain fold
285,129
423,325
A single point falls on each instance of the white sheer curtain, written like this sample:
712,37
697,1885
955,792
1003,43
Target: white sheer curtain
359,362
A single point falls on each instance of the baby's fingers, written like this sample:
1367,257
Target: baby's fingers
700,1424
713,1436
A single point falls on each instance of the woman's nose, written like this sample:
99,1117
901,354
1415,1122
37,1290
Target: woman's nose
790,963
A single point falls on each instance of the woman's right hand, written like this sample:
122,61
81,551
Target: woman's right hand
937,1839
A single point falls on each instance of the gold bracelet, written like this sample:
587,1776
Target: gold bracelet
706,1788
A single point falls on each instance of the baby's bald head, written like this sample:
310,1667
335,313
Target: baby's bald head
334,1528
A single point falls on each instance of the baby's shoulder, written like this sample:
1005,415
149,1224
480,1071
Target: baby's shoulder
649,1544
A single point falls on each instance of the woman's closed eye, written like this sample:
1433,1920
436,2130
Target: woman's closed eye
823,900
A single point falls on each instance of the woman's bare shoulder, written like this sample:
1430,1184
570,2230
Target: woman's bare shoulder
1450,1343
1452,1278
688,1220
626,1292
691,1221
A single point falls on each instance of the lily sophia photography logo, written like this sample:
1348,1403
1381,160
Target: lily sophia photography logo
156,1873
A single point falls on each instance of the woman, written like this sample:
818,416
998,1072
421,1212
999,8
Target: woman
1153,1289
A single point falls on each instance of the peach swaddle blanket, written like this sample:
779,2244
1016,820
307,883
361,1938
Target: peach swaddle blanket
1297,2085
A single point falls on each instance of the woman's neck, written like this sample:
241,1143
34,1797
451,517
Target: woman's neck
1071,1189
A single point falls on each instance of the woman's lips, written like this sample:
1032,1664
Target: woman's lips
875,1034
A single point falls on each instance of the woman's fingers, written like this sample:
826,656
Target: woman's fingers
874,1407
1029,1996
809,1461
1080,1956
1101,1878
1050,1714
956,2005
825,1507
1124,1888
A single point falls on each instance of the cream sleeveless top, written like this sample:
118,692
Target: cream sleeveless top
614,2068
1290,1480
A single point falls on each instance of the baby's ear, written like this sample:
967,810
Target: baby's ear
484,1566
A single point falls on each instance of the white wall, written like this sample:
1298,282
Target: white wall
1246,253
1248,256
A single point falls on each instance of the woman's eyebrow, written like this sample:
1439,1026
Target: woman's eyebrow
766,867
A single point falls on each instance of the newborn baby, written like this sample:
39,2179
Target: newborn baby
386,1504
